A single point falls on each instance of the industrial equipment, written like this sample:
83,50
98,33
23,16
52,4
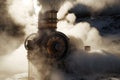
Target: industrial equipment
55,43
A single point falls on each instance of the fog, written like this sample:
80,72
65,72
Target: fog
79,64
48,4
19,19
16,22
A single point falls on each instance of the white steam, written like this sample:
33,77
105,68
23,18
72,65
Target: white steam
17,21
104,52
80,63
14,63
24,11
82,31
37,7
88,34
23,76
64,9
50,4
25,14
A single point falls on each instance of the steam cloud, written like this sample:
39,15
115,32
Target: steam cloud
14,25
22,76
79,64
51,4
16,21
9,30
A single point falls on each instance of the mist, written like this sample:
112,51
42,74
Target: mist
48,4
18,20
10,32
80,64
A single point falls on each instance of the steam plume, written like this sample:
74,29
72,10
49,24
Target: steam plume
15,17
79,64
51,4
9,30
